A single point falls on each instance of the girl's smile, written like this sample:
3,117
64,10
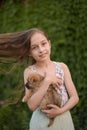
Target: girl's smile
40,47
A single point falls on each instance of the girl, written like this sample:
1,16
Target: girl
40,50
35,44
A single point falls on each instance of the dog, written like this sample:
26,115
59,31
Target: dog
51,96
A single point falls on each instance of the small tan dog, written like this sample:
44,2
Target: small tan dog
51,96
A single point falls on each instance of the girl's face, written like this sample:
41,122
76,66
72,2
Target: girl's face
40,47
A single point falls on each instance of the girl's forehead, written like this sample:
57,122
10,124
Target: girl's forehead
37,38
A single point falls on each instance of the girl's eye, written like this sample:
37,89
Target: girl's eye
33,47
43,43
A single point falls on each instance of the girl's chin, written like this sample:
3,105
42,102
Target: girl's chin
44,59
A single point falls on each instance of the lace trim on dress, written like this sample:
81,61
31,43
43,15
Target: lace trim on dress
62,89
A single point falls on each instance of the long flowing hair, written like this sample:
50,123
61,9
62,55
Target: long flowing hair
16,46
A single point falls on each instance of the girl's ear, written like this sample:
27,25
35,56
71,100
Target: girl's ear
50,43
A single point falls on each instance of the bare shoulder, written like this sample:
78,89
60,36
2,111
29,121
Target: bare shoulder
66,70
27,71
64,66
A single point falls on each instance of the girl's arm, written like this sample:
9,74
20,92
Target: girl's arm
34,101
73,96
36,98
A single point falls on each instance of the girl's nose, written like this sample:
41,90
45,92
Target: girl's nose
41,49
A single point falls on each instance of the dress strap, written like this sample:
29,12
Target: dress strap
59,70
33,68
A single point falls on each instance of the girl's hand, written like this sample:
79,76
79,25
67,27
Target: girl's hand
53,111
57,81
49,79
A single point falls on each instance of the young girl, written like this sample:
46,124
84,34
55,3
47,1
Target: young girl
35,44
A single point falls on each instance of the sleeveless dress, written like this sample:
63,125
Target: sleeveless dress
40,121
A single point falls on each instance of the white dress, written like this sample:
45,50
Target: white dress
39,120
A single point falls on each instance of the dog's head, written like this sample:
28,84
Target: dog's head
34,80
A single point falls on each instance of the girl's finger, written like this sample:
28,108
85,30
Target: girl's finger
51,106
45,111
60,81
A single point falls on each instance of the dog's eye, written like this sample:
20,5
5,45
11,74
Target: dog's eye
34,80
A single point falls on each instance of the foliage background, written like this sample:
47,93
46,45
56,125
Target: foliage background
65,22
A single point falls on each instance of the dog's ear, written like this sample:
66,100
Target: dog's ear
33,80
27,85
41,77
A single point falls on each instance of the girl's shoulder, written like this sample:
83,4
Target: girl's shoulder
28,70
63,66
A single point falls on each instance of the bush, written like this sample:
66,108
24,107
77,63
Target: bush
65,23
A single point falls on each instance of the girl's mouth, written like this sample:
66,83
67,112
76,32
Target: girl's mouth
43,55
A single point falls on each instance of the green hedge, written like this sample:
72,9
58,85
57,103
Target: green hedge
65,22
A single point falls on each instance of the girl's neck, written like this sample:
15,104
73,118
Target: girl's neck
44,64
45,67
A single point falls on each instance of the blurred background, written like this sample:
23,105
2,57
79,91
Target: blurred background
65,22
